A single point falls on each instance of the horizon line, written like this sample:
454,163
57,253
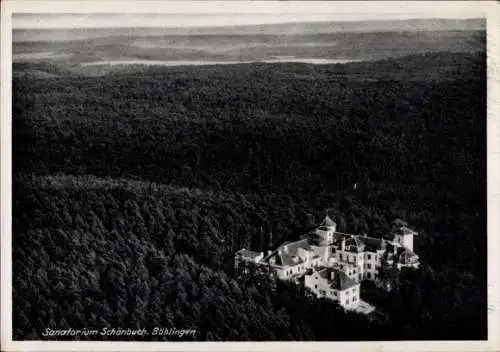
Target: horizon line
350,21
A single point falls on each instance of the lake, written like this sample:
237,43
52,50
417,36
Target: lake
315,61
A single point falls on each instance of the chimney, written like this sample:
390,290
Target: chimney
268,252
286,248
342,245
332,275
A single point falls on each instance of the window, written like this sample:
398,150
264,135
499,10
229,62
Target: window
369,256
368,275
369,266
316,286
334,293
347,293
354,299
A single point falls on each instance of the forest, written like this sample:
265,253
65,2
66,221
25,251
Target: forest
132,192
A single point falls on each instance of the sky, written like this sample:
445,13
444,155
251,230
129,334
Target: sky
217,13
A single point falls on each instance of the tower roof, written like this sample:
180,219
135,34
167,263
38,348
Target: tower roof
327,222
403,230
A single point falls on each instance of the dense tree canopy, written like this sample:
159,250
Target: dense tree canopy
132,193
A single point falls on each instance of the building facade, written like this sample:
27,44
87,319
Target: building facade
333,284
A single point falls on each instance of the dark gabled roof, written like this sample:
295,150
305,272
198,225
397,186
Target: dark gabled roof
354,245
372,244
339,236
353,249
248,254
313,239
340,280
309,235
327,222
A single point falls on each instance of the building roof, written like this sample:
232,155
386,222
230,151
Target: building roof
339,236
372,244
340,280
327,222
247,253
354,245
288,253
314,239
403,230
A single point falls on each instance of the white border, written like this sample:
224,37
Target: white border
376,8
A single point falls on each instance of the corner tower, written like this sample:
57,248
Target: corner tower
326,230
403,236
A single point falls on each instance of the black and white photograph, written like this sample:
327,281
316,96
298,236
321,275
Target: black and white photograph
248,171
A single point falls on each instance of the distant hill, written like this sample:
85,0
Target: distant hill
302,28
439,66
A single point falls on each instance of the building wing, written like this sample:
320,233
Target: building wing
337,279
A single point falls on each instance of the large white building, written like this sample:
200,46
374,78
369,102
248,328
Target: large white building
334,284
332,263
